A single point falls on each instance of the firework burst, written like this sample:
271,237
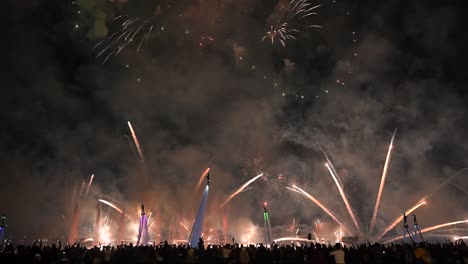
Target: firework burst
129,30
253,166
290,18
276,182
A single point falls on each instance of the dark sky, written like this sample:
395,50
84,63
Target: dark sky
194,102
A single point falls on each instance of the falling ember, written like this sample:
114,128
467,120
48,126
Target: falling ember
184,226
89,185
345,200
319,204
203,176
432,228
137,144
240,190
82,188
382,183
394,223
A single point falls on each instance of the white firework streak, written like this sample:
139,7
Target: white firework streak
129,30
137,143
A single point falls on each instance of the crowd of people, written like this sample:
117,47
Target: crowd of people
449,252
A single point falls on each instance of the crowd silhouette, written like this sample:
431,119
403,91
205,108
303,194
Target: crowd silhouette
430,253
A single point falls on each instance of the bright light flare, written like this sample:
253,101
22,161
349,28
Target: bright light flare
240,190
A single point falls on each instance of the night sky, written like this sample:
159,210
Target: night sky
204,90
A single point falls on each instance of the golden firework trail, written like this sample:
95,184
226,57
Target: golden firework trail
398,219
202,177
429,229
240,190
319,204
137,143
345,199
382,183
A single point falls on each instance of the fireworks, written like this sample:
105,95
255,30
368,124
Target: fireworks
292,17
432,228
202,177
137,144
254,165
114,206
130,29
89,185
240,190
394,223
276,182
345,199
382,183
184,226
319,204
